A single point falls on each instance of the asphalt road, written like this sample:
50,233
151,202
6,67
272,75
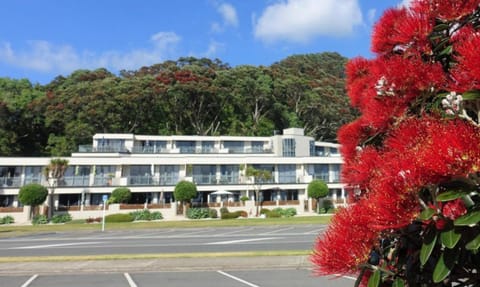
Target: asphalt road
251,278
223,239
281,271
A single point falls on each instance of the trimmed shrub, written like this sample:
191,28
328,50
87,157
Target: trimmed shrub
61,218
120,195
223,210
230,215
287,212
198,213
156,215
32,194
213,213
233,215
273,214
39,219
119,217
145,214
7,220
264,211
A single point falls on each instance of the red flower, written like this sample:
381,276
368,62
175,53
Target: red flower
445,9
346,244
440,224
454,209
466,71
385,32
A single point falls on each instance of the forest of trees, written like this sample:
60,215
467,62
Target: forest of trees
189,96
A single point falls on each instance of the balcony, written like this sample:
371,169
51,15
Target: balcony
11,181
102,149
149,149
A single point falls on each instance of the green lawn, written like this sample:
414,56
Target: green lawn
20,230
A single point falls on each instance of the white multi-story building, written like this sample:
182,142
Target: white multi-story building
151,166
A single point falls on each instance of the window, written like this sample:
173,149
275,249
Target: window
208,146
168,174
257,147
234,146
287,173
288,147
110,145
336,170
229,174
320,151
204,174
334,151
320,171
312,148
33,174
186,146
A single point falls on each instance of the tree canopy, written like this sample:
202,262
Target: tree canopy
189,96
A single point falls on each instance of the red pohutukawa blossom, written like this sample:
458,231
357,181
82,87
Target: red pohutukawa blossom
406,144
402,30
385,36
346,243
360,81
454,209
467,69
416,153
445,9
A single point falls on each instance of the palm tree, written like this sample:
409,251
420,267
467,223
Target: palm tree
259,176
54,173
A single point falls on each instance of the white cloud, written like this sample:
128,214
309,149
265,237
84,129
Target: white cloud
229,18
43,56
300,21
229,14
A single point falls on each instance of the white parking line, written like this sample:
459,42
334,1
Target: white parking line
237,279
129,280
240,241
275,231
29,281
54,245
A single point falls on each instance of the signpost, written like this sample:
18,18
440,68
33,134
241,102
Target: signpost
104,198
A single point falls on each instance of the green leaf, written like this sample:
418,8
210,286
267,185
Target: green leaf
374,280
468,219
427,247
450,195
445,264
446,51
398,283
471,95
450,238
467,200
426,214
474,244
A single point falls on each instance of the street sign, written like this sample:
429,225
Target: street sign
105,197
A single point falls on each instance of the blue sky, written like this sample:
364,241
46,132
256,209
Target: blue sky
41,39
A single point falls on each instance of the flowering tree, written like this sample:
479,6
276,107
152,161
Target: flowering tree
412,159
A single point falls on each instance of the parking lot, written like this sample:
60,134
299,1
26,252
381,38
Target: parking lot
252,278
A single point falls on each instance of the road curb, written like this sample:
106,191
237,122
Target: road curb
155,265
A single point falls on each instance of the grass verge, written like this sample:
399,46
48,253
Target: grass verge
153,256
76,226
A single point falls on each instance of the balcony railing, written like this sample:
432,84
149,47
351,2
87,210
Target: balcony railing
11,181
102,149
149,149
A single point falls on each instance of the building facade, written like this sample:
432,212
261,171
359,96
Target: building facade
151,166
